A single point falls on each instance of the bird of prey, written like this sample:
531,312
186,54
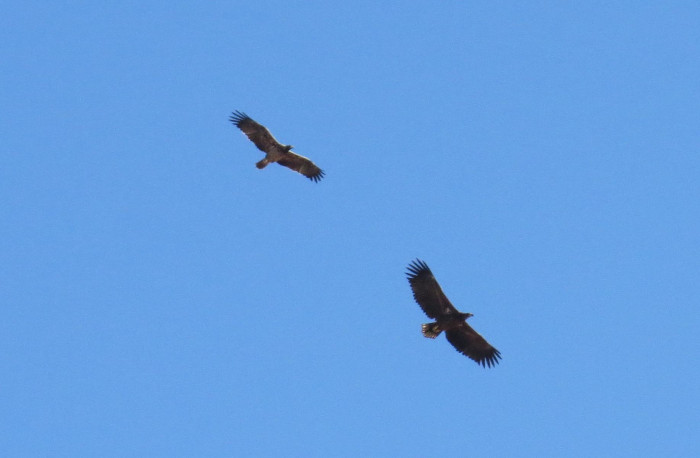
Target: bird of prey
274,150
432,300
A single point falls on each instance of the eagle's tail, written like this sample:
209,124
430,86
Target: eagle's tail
262,164
431,330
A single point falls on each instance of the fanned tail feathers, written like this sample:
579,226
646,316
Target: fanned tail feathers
430,330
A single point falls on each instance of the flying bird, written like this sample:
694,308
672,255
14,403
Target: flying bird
432,300
274,150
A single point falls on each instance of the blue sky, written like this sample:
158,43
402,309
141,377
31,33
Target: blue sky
163,297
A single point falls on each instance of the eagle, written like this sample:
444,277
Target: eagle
274,150
429,295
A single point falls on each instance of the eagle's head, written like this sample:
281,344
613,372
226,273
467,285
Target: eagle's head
288,148
466,316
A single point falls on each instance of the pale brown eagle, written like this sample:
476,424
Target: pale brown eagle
435,304
274,150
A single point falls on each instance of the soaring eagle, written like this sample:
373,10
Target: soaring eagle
274,150
435,304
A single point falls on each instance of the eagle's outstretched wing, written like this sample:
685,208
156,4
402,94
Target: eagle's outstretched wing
302,165
257,133
470,343
427,291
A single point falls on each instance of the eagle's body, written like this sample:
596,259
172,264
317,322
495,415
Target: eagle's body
274,150
429,295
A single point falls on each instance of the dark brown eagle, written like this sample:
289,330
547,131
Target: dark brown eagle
274,150
435,304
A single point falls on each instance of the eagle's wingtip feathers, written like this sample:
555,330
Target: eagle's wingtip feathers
316,178
491,360
237,117
416,267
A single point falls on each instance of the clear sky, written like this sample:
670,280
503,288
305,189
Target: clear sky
163,297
